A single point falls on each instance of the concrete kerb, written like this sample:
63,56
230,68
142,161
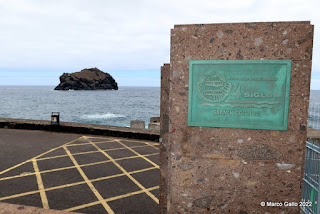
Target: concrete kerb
91,129
16,208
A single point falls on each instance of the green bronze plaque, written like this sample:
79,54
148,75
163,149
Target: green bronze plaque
251,94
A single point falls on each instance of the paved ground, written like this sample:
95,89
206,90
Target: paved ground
86,174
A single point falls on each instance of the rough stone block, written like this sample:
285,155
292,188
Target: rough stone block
154,119
300,78
137,124
164,129
227,170
154,126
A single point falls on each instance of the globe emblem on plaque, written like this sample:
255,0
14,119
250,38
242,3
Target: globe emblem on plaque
214,88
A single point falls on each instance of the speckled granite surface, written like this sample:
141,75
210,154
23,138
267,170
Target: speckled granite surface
225,170
164,122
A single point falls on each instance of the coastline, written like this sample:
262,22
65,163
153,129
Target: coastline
82,128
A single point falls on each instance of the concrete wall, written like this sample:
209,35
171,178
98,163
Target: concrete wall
226,170
154,119
80,128
137,124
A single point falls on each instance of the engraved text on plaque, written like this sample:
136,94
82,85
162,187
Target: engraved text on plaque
251,94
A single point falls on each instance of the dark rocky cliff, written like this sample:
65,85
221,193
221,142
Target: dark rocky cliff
87,79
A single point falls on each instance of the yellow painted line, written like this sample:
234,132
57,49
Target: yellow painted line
72,167
152,146
74,184
82,153
142,170
60,187
130,140
140,141
109,199
93,189
81,144
60,156
127,174
107,161
20,164
19,195
51,150
83,182
130,194
33,173
43,195
117,138
88,137
98,179
82,206
141,156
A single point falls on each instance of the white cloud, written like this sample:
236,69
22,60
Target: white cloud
123,34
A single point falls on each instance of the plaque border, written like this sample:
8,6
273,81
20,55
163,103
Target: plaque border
282,127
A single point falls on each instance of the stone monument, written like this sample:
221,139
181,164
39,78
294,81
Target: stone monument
164,128
238,109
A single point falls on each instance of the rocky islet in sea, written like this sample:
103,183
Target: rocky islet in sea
87,79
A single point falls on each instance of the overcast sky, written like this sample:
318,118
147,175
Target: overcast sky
41,39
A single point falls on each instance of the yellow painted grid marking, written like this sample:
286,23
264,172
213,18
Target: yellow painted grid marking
72,167
145,142
51,150
141,156
42,190
130,140
130,194
149,143
15,166
152,145
81,144
127,174
139,141
82,153
93,189
43,195
110,199
74,184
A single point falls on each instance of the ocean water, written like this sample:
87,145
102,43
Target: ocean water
105,107
314,110
115,108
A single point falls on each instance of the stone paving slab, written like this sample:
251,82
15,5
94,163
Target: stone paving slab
86,174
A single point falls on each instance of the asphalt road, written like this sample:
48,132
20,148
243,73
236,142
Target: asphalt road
17,146
86,174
